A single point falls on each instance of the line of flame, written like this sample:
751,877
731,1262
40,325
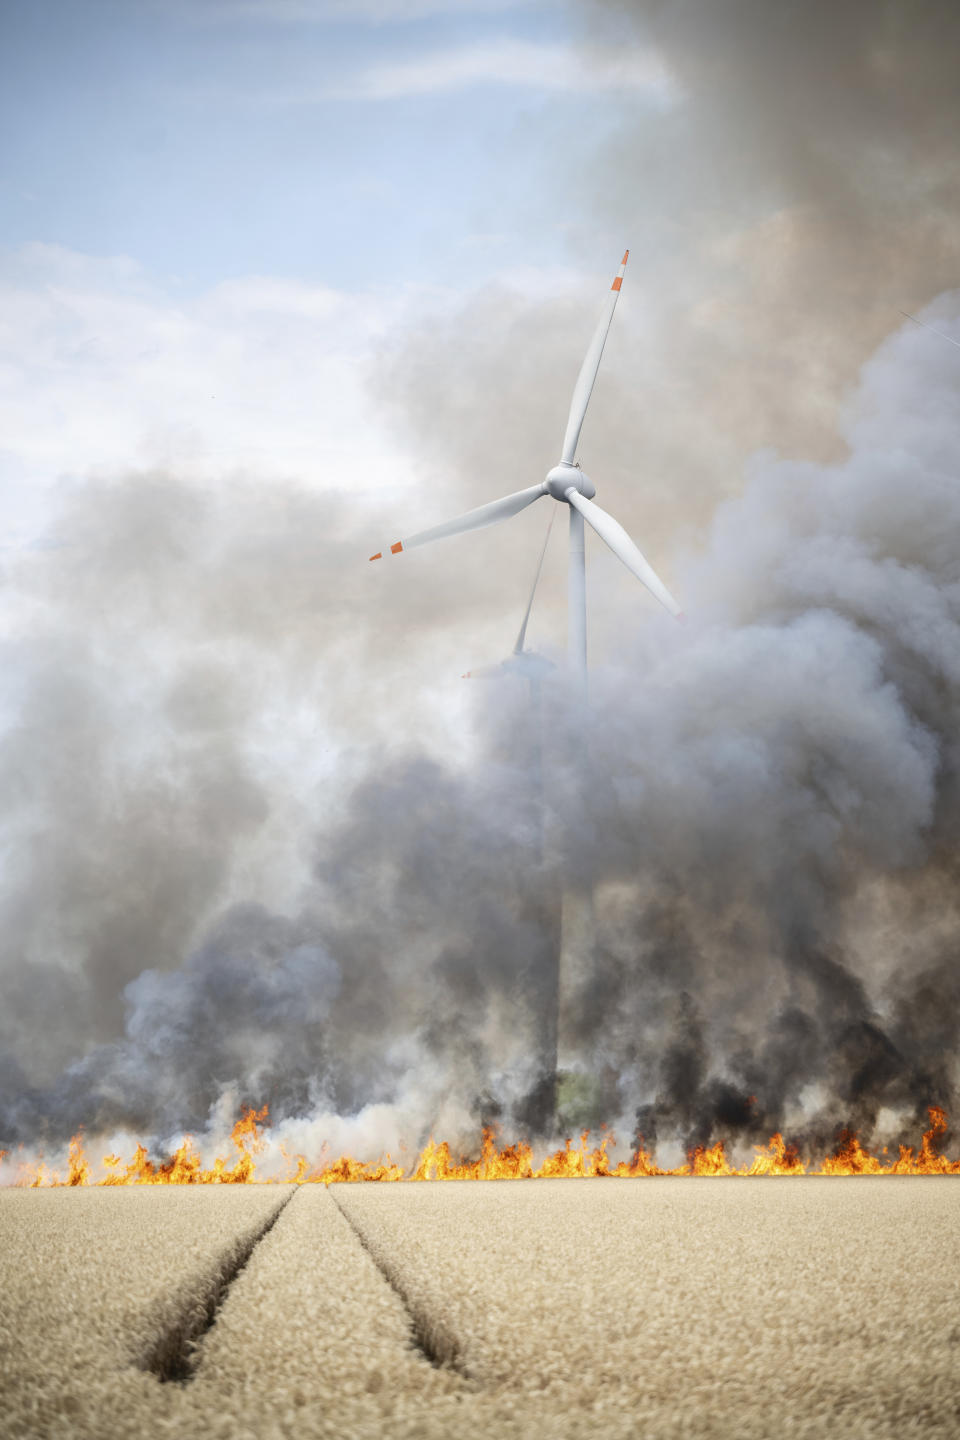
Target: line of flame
496,1162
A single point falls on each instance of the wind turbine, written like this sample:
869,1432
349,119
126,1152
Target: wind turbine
569,485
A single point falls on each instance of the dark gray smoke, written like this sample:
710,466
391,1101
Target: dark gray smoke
798,796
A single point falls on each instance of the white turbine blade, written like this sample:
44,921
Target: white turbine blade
473,520
588,370
533,589
612,533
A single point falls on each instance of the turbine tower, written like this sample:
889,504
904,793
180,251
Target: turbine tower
570,486
539,981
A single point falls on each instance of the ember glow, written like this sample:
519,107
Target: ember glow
496,1162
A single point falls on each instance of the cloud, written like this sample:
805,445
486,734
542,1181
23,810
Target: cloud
103,365
533,66
352,12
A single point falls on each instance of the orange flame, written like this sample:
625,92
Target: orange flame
495,1162
185,1166
776,1158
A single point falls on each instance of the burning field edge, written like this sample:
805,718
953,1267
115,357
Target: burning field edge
496,1161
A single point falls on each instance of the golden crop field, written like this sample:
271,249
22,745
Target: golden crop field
805,1306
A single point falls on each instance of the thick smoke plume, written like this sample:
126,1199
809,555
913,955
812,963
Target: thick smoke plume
766,806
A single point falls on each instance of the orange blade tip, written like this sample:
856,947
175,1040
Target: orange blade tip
378,556
626,257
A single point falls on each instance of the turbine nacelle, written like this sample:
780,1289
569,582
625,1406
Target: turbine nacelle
565,477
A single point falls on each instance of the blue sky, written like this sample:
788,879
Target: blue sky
213,140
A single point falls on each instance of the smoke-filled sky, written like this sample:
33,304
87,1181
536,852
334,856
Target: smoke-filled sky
285,279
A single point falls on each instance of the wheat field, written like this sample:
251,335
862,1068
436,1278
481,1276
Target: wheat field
730,1307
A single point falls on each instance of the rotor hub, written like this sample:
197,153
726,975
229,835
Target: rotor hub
566,477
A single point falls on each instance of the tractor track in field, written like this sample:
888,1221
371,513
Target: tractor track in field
435,1343
175,1354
